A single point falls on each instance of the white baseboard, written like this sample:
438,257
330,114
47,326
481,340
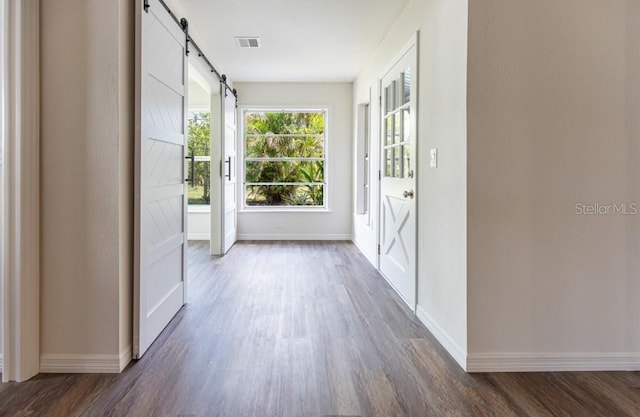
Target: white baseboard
125,358
445,339
1,364
91,364
553,362
530,362
273,236
198,236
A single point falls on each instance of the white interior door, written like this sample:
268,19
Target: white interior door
398,179
160,203
230,200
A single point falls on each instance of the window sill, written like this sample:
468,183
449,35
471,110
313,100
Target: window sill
197,208
285,210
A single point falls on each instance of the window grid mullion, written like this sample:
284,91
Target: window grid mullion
283,159
285,183
284,135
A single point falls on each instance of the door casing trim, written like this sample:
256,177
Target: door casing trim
20,92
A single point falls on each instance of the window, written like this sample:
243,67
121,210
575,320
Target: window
362,162
285,158
365,174
198,171
397,118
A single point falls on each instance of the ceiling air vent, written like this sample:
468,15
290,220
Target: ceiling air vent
248,42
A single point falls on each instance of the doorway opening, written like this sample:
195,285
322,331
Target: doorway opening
200,122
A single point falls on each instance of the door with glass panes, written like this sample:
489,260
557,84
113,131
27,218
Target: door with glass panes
398,179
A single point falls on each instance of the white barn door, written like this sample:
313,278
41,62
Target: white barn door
224,193
160,200
230,171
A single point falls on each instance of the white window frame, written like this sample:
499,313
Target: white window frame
242,110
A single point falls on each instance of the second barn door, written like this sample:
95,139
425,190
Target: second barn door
224,211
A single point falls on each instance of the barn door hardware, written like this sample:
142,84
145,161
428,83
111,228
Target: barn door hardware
184,23
227,171
192,171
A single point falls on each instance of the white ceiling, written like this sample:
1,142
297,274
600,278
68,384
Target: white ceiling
302,40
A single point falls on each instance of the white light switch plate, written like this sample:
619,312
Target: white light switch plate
434,158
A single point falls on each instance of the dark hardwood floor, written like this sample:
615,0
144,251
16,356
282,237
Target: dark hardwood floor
307,329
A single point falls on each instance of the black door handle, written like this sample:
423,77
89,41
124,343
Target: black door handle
192,157
227,162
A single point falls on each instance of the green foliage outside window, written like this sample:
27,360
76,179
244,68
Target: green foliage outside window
284,159
199,127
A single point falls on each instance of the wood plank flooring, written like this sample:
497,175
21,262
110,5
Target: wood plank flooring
307,329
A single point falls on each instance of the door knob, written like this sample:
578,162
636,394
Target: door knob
408,194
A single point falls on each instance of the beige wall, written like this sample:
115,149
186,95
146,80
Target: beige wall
553,121
86,177
441,192
336,223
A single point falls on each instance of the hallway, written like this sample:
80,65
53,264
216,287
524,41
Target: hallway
307,329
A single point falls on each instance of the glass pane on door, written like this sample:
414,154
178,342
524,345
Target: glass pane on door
396,128
389,94
398,162
406,86
406,125
388,156
406,152
389,135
